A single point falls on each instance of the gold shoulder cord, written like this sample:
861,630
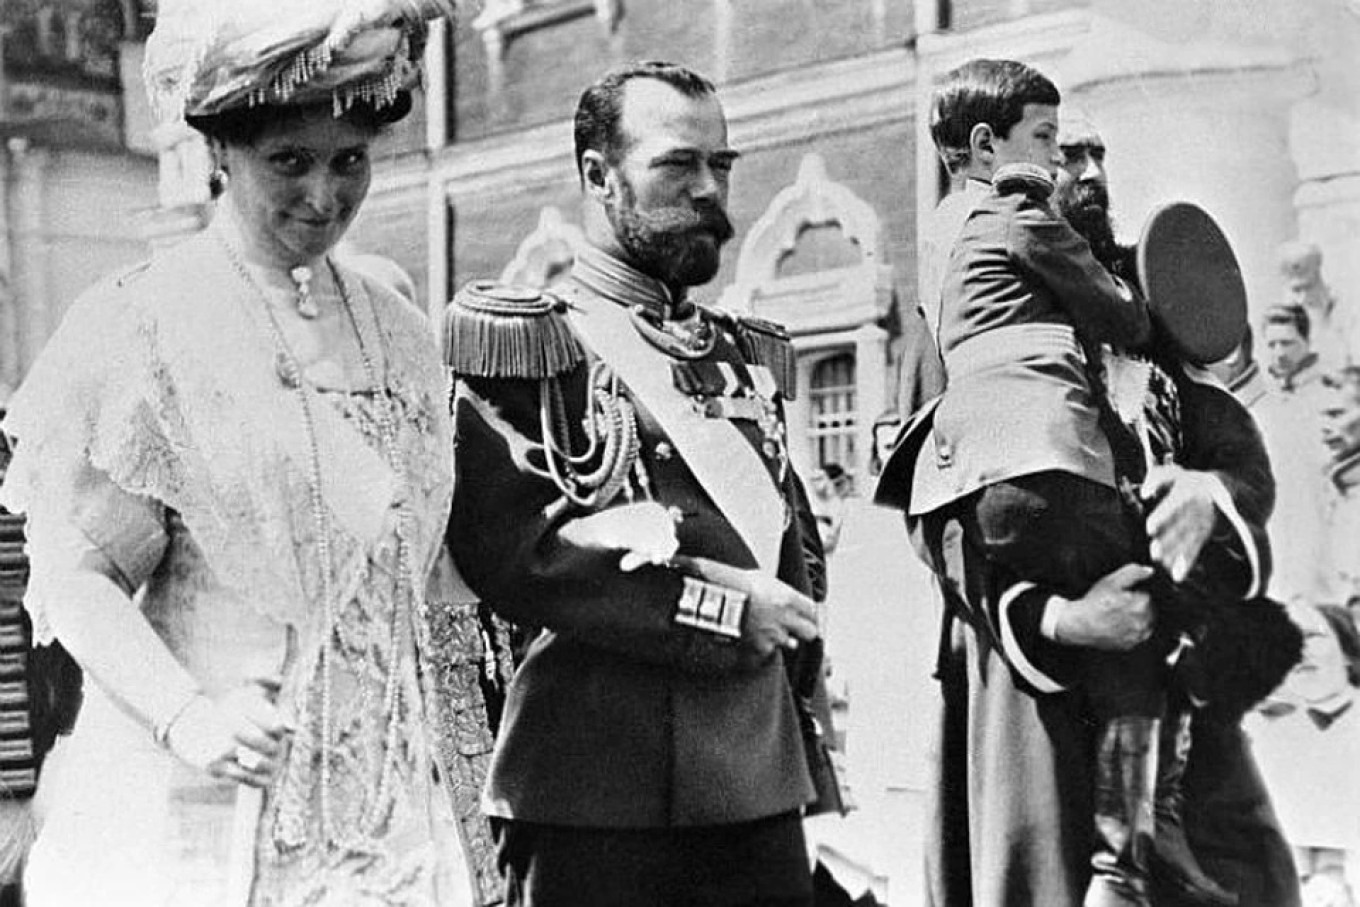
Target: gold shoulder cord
492,330
610,426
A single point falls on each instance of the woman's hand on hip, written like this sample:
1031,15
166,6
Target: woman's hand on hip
241,736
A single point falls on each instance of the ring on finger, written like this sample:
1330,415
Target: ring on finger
248,759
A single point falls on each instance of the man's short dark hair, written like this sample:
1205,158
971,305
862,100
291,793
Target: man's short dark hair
600,109
1295,316
994,92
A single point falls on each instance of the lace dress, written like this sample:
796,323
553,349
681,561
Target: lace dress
211,525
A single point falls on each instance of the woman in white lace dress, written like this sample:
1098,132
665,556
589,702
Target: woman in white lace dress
235,464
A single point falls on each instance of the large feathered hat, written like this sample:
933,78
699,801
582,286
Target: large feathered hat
209,56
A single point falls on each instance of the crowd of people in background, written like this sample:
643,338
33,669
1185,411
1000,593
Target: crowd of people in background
1304,393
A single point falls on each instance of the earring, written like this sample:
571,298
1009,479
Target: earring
217,181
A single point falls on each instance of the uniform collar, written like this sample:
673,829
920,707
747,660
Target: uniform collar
1304,374
616,280
1250,386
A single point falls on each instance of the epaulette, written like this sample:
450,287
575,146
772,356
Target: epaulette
495,330
1029,179
767,343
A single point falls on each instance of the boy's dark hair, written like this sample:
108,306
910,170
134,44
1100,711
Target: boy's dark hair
601,105
1294,316
994,92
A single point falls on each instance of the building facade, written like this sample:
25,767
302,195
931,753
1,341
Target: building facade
1247,107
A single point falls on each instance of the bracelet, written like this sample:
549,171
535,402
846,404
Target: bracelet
160,730
711,607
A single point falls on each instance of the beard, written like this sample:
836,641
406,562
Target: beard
1086,206
678,245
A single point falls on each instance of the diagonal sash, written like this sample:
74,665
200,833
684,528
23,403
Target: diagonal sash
730,470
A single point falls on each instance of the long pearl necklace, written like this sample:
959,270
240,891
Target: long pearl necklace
292,833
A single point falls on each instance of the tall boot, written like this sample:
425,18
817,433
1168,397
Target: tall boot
1126,772
1174,866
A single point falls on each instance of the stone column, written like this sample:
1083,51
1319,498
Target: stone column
871,380
1324,138
28,249
1193,98
436,66
929,43
185,203
798,412
9,327
722,40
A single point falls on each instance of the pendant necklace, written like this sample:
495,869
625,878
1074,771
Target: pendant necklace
305,302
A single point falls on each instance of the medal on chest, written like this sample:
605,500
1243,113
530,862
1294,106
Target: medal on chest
718,391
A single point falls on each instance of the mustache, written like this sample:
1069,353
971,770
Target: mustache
1084,195
1085,206
709,219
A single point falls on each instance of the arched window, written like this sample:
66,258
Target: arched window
832,414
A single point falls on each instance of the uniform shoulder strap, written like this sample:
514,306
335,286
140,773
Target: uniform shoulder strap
761,342
495,330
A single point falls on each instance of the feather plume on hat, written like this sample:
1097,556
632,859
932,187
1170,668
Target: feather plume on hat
208,56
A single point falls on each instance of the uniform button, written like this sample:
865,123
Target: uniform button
664,451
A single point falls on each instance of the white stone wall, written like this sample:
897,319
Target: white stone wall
70,217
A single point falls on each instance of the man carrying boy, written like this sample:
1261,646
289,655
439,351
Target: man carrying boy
1026,455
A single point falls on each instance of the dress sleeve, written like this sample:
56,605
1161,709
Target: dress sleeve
88,445
85,520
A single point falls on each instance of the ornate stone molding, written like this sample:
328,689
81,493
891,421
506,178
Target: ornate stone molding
547,253
501,21
821,301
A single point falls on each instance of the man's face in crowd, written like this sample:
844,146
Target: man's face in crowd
1082,193
1033,140
669,194
1082,181
1341,421
1286,348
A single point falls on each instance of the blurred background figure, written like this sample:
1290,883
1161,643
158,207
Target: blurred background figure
1336,329
1340,413
1306,737
1291,362
828,489
1290,428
